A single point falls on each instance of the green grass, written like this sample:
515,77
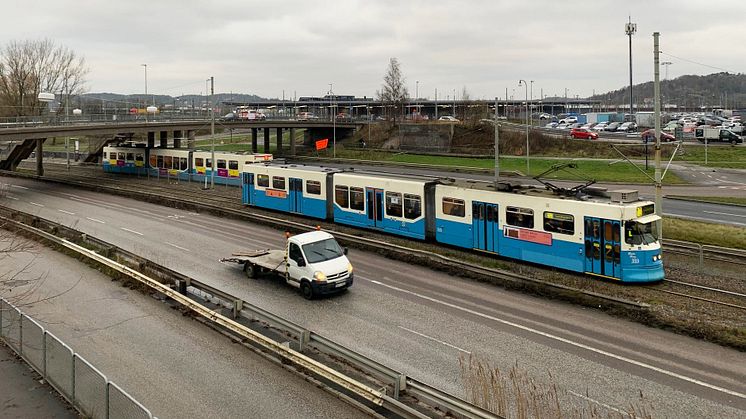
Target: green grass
599,170
713,199
717,156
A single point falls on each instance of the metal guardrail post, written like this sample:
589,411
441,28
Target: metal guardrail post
701,257
237,307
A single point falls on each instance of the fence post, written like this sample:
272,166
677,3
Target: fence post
107,398
20,331
44,353
701,258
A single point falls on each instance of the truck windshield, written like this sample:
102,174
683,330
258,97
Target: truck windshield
638,233
322,250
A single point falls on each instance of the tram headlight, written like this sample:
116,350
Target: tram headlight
657,257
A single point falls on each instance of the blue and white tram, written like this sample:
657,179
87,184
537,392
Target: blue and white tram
394,204
129,160
290,188
169,162
595,236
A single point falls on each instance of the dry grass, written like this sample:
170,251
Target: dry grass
516,394
724,235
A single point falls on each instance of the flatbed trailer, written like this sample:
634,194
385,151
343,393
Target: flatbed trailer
259,262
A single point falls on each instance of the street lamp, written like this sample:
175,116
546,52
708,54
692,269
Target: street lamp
531,119
146,88
528,158
334,120
416,96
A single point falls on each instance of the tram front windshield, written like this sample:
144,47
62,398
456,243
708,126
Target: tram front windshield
639,233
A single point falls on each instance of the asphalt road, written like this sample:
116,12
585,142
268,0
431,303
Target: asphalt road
173,365
420,321
710,182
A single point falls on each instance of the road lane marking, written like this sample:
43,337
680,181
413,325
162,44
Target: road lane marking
95,220
66,212
564,340
12,197
18,186
132,231
34,203
725,213
584,397
433,339
178,247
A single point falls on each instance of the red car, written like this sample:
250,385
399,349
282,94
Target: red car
583,133
649,135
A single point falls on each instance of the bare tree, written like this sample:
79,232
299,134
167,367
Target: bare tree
393,93
33,66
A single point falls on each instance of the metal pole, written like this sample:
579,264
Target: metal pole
657,110
528,157
146,91
630,29
497,147
436,103
531,108
212,133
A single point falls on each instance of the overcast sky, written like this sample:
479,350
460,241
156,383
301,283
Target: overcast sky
263,47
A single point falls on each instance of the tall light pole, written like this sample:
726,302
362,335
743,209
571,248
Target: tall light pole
146,90
657,113
334,120
417,96
531,119
212,131
528,158
630,29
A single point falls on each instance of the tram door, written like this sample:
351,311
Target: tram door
247,188
485,226
374,206
296,195
602,247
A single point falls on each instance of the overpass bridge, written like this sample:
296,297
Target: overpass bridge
17,144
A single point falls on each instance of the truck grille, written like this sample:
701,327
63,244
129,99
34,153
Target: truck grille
334,277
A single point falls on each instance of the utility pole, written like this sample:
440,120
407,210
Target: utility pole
212,132
497,147
528,156
436,103
657,110
630,28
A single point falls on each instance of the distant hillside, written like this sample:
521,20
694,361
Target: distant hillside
714,90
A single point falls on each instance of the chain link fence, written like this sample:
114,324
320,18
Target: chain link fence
73,377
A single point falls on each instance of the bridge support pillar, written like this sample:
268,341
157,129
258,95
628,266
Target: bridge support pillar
177,139
39,156
292,141
254,147
151,139
164,139
190,139
279,141
266,140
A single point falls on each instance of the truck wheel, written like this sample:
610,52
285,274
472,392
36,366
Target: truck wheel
733,142
306,291
251,270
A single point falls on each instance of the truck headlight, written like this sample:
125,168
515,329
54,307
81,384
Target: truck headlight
349,268
319,276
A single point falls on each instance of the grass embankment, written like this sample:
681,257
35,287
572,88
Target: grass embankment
730,200
733,157
704,233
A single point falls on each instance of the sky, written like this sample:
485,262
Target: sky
301,47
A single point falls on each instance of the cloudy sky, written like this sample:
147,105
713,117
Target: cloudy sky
265,47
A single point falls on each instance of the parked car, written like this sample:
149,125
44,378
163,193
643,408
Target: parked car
671,126
612,126
649,136
627,127
583,133
545,116
228,117
448,118
599,127
551,125
569,120
562,125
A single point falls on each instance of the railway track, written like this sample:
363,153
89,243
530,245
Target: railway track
227,198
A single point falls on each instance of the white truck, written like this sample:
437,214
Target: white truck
717,135
313,262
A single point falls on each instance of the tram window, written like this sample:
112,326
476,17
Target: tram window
278,182
120,156
393,204
153,161
412,206
637,233
313,187
454,207
596,229
491,213
130,156
617,256
519,217
556,222
262,181
588,228
160,162
183,163
233,164
357,199
608,231
609,252
199,162
140,157
208,163
167,162
342,196
221,164
616,234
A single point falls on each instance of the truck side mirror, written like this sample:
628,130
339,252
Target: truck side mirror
345,250
301,262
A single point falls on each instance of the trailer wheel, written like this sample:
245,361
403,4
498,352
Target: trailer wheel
306,291
251,270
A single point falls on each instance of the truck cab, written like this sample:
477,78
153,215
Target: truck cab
316,264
